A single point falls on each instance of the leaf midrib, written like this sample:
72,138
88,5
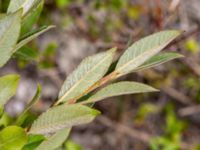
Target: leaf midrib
62,123
139,56
72,88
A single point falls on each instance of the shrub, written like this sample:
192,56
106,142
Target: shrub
89,83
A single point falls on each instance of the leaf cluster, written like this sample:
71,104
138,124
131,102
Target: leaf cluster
90,80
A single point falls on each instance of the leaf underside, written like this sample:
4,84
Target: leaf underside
62,116
88,72
143,50
9,33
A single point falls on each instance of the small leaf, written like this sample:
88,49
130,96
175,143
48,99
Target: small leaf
27,5
1,111
158,59
23,116
9,33
33,142
88,72
30,36
12,138
63,116
26,53
8,86
120,88
54,141
31,18
143,50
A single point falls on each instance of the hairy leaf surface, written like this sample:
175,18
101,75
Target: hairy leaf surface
143,50
88,72
63,116
120,88
9,33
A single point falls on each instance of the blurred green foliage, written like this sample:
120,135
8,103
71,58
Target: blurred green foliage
71,145
171,140
192,45
145,110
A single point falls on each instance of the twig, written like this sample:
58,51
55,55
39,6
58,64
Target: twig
177,96
139,135
142,136
191,110
185,36
103,81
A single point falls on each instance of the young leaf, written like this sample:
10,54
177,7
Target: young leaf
12,138
30,36
143,50
54,141
26,53
27,5
89,72
23,116
31,18
33,142
9,33
120,88
158,59
8,86
63,116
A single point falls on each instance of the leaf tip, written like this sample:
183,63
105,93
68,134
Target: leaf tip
113,50
95,112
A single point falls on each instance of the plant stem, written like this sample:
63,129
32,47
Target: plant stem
99,83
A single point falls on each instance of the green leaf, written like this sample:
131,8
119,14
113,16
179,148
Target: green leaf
143,50
1,111
33,142
88,72
120,88
71,145
31,18
9,33
26,53
55,140
22,117
192,45
12,138
63,116
159,59
8,86
27,5
5,120
30,36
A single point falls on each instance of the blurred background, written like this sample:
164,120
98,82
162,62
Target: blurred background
167,120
